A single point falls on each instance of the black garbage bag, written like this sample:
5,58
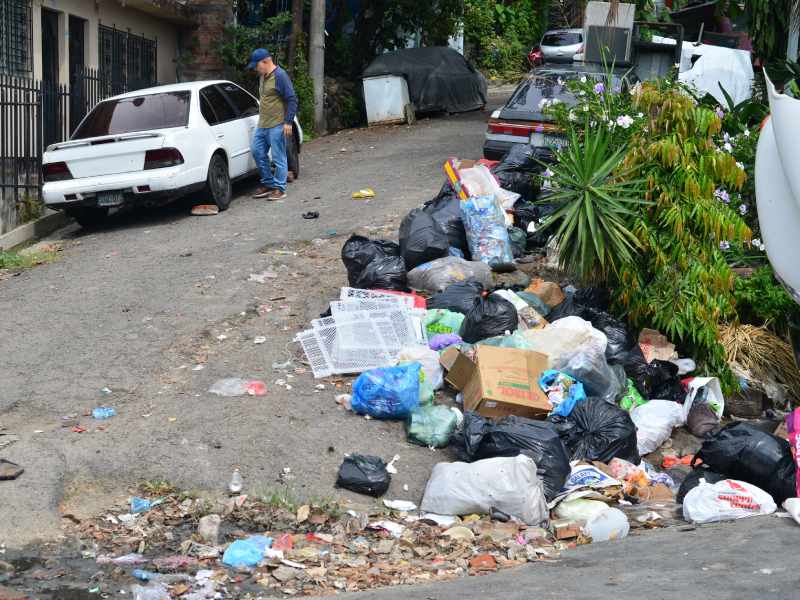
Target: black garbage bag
387,273
596,298
446,211
487,318
516,171
616,331
657,380
692,480
741,451
597,430
457,297
364,475
567,308
525,213
519,241
483,438
422,239
359,251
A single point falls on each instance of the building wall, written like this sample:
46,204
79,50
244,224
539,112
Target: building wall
110,13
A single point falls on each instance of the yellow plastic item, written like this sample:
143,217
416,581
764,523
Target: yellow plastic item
365,193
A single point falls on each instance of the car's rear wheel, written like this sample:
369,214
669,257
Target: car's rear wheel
88,216
293,156
218,182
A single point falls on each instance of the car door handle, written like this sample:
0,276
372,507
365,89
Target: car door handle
220,136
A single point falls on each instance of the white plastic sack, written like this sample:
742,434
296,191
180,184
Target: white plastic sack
509,484
715,396
654,421
429,359
725,500
479,181
792,506
565,338
580,509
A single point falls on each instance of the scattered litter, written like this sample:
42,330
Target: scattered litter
234,386
363,194
103,412
390,467
259,339
198,367
725,500
236,483
364,475
312,214
262,277
247,552
9,470
205,210
401,505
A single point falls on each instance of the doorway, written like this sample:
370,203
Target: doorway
77,62
51,106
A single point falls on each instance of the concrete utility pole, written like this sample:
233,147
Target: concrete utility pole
316,61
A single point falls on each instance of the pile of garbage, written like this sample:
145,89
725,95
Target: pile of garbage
559,425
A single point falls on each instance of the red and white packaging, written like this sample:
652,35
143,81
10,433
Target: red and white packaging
726,500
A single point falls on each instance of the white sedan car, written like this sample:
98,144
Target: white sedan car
155,145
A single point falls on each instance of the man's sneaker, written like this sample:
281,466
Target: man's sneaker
262,192
276,195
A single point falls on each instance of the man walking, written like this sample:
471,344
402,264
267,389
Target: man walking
276,115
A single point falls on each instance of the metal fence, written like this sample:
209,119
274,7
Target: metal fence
35,114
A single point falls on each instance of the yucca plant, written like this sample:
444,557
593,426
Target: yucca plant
598,199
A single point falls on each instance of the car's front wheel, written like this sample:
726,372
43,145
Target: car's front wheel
218,182
88,216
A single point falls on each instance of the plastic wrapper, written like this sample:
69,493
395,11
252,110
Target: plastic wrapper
236,386
726,500
483,438
446,211
598,378
440,341
364,475
438,320
598,431
458,297
422,239
387,393
704,405
374,264
563,391
741,451
489,317
431,426
654,423
437,275
484,220
515,340
428,359
631,398
506,484
247,552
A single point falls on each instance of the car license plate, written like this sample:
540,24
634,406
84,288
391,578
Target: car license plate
110,198
543,140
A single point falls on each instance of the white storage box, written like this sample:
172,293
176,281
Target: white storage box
387,100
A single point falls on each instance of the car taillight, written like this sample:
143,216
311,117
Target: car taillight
57,171
521,129
163,157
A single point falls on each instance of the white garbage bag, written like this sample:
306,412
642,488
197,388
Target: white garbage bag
725,500
508,484
654,421
429,359
564,338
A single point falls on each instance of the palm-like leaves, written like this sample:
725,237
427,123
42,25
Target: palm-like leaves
597,201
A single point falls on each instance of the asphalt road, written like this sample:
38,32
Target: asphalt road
134,306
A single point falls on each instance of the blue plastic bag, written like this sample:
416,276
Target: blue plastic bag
563,391
387,393
247,552
485,223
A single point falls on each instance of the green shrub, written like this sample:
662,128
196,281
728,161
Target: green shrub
762,300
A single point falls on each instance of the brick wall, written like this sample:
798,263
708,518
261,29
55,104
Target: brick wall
200,43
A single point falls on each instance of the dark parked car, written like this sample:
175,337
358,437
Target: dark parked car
521,120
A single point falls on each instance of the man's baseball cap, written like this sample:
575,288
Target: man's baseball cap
257,56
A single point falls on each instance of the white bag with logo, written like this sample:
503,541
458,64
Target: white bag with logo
726,500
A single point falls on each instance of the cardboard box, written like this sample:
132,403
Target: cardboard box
502,382
458,367
550,293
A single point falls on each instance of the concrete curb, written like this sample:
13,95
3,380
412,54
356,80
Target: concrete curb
41,227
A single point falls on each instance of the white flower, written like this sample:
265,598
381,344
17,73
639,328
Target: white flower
573,116
726,137
727,146
746,133
624,121
585,108
740,165
583,78
640,115
581,93
758,244
555,101
592,124
560,82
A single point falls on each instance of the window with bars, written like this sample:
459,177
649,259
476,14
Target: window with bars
128,59
15,37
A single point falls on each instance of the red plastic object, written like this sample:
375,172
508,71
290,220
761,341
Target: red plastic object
283,543
256,388
419,301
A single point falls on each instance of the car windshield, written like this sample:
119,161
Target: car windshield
564,38
548,85
140,113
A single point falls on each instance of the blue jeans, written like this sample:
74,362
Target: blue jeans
265,139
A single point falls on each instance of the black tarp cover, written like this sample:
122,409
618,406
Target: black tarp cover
439,79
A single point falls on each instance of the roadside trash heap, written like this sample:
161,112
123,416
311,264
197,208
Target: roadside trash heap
559,425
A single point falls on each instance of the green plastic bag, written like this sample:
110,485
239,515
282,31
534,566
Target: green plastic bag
632,398
440,320
514,340
535,302
431,425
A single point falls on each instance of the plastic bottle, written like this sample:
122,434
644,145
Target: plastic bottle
611,524
236,484
103,412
